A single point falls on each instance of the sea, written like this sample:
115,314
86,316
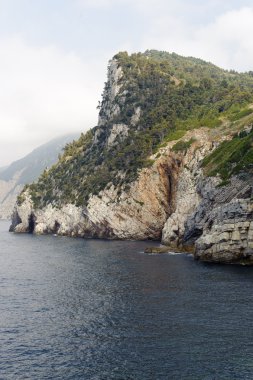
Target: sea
75,309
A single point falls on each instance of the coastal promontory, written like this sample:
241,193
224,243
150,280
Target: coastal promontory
171,159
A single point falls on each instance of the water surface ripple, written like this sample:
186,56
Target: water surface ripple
88,309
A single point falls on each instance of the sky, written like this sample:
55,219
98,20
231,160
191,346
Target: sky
54,55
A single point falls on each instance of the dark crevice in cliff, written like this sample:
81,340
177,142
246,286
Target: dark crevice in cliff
191,236
56,227
15,221
172,171
31,223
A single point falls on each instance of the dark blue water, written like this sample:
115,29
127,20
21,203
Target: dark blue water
76,309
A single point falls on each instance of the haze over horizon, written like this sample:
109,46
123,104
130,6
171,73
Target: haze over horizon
55,54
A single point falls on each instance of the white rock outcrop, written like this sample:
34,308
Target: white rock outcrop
109,109
137,213
172,198
118,132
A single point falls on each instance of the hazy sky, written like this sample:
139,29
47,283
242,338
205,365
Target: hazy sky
54,55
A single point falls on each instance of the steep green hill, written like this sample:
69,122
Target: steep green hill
158,97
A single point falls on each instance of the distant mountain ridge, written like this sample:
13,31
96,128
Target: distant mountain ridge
3,168
27,170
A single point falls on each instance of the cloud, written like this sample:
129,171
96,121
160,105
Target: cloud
215,30
144,5
44,93
225,41
229,38
96,3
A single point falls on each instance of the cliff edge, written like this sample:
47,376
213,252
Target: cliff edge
170,159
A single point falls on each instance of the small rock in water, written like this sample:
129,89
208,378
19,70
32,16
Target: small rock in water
167,249
157,250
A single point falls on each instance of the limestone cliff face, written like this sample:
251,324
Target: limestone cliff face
215,220
223,220
172,200
138,213
228,234
108,108
187,197
108,130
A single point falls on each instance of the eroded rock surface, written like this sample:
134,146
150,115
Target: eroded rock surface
138,213
187,198
172,201
226,222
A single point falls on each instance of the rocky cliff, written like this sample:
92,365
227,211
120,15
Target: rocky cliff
213,218
223,220
170,159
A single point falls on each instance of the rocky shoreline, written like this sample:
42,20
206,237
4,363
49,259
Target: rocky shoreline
172,202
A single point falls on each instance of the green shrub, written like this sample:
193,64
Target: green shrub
240,114
182,146
231,157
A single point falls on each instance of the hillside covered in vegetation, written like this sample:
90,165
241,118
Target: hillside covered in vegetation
170,159
159,97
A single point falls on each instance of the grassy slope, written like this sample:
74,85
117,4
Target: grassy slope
231,157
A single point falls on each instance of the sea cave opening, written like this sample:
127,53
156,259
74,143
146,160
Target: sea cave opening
31,223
